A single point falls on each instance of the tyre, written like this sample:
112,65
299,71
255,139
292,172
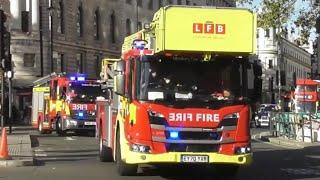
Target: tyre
59,130
123,168
105,153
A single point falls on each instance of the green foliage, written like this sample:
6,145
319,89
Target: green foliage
277,14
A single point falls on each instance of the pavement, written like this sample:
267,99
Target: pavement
282,141
19,147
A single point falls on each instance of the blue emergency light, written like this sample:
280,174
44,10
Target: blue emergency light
174,135
139,44
80,114
81,78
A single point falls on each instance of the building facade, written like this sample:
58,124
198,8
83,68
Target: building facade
281,62
73,35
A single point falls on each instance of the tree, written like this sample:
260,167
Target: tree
279,13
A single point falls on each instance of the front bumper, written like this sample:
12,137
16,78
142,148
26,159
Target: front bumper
175,157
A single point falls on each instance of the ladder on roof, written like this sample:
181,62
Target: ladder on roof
45,79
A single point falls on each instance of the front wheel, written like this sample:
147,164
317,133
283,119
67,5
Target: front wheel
105,153
59,130
123,168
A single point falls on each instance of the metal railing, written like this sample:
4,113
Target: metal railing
303,127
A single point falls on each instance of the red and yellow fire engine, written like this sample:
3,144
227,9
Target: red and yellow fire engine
165,107
64,103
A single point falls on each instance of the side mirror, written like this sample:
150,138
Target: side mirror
119,66
119,86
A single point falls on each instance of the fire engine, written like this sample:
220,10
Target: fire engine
64,103
306,96
167,104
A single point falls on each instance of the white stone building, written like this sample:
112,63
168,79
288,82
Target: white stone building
293,59
83,32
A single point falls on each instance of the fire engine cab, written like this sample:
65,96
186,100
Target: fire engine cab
64,103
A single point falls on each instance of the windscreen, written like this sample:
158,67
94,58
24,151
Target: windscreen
85,92
306,88
171,79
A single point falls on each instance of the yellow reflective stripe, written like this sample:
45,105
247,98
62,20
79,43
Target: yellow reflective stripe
41,89
132,111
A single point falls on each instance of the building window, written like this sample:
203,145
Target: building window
139,26
270,64
98,66
150,5
188,2
160,3
169,1
112,28
80,21
28,60
60,14
80,63
128,26
25,21
128,1
61,57
96,24
267,33
139,3
179,2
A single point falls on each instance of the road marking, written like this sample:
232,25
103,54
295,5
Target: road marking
69,139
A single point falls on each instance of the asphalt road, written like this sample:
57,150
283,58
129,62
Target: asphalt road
75,158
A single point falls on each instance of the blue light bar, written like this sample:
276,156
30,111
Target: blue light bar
174,135
139,44
80,114
81,78
72,78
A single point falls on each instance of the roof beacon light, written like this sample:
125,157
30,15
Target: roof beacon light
81,78
139,44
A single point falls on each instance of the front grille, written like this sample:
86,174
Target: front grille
190,135
192,147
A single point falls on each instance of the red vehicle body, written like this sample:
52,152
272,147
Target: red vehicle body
164,108
64,103
306,96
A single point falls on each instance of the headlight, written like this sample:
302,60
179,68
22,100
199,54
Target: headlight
256,117
140,148
71,122
156,118
243,149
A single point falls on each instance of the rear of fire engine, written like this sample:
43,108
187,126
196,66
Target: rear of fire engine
181,91
65,103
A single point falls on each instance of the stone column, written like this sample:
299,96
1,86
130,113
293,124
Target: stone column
15,10
35,15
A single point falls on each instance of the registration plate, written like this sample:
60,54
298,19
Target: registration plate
194,158
90,123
